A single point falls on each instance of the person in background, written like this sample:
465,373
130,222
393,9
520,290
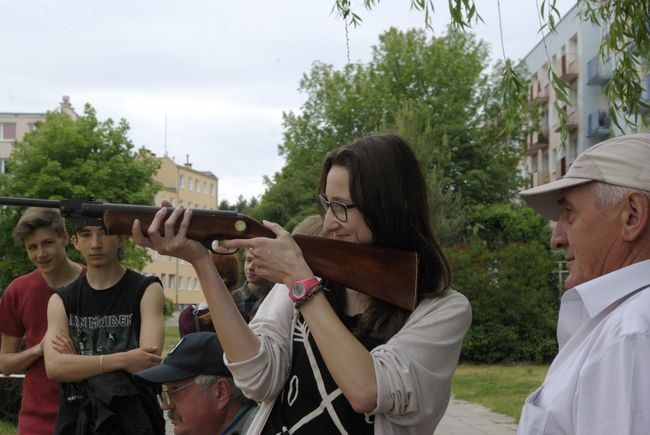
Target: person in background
251,294
312,225
101,327
23,314
199,393
599,382
196,317
327,359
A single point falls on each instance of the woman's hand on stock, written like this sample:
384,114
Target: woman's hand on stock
278,260
174,244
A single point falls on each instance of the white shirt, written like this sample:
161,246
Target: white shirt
599,383
413,368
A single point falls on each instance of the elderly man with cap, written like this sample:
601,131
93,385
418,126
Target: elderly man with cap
599,383
199,392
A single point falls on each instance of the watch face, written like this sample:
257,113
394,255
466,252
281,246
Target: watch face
298,290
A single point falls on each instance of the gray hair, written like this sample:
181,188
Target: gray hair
206,382
608,195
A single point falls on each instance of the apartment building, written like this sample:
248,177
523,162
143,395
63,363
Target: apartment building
572,52
182,185
14,126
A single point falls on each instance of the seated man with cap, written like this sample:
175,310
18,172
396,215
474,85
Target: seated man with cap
199,392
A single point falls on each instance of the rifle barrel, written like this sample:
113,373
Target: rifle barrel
30,202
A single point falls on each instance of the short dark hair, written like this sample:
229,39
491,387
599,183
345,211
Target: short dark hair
388,188
38,217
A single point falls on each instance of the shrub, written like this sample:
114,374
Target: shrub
514,301
10,397
168,308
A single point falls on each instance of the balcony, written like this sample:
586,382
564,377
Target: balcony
540,178
569,68
598,73
572,120
538,93
537,140
598,123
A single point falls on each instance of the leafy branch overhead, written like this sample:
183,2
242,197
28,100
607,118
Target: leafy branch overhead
626,36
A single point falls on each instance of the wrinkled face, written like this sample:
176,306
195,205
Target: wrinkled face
589,236
191,410
46,249
96,247
338,189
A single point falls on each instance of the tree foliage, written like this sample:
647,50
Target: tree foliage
432,91
506,272
65,158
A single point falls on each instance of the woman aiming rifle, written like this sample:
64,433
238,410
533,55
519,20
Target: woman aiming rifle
327,359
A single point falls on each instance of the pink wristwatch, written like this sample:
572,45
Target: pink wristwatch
300,290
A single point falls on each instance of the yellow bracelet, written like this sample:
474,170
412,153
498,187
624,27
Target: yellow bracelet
101,363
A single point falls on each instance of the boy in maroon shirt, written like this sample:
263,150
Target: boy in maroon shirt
23,313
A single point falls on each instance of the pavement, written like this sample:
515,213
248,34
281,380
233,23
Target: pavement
465,418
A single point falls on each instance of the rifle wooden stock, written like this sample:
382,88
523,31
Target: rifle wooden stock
386,274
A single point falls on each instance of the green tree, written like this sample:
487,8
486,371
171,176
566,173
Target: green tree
65,158
433,91
242,205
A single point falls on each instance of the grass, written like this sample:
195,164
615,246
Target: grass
7,428
171,338
501,388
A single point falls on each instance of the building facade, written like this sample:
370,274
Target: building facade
14,126
573,54
182,185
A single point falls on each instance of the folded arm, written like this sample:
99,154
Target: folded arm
66,367
13,360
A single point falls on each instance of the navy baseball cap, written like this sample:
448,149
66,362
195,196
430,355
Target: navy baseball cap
198,353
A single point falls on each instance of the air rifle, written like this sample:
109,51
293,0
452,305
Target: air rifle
383,273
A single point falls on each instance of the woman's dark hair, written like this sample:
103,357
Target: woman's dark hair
387,186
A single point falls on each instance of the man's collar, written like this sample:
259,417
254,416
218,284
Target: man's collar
601,292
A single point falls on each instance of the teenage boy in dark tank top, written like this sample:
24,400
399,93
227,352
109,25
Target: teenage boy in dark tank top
111,320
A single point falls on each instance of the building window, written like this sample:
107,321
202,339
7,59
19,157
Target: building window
190,185
211,189
197,186
196,283
181,181
7,131
180,282
3,166
31,126
172,281
162,278
205,187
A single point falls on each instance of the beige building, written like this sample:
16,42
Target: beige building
182,185
14,126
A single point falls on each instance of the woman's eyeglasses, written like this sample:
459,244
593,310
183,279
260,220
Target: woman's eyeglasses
165,399
339,209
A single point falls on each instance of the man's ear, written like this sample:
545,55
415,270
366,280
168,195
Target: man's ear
222,392
636,208
74,241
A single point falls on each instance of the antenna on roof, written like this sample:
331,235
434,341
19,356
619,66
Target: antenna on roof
165,143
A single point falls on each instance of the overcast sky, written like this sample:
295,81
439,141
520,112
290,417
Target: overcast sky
222,72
